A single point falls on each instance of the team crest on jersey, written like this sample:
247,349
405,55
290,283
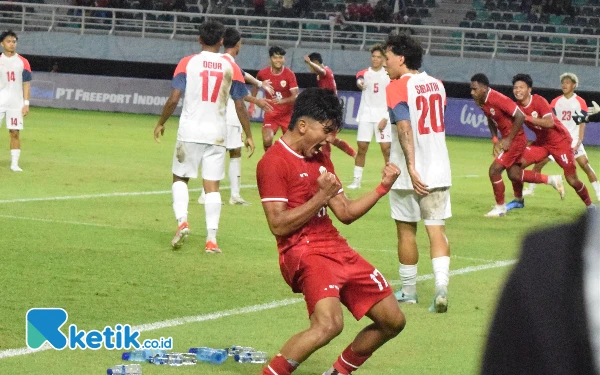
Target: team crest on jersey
534,114
492,111
283,83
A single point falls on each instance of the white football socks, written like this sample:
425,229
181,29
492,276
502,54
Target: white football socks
358,171
408,276
181,199
14,156
596,186
441,271
235,176
212,210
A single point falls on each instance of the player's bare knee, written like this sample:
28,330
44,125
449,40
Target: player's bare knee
395,324
14,134
328,327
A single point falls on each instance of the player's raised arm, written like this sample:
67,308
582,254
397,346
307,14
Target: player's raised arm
314,67
347,210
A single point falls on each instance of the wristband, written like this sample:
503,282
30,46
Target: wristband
25,102
259,84
382,190
494,139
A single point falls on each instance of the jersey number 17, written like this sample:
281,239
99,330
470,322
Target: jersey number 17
205,75
430,108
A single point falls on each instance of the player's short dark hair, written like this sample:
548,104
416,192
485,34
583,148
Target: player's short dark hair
322,105
523,77
212,32
481,78
378,47
6,34
315,56
410,48
231,37
276,50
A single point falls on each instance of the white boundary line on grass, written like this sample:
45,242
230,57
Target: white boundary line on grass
104,195
250,309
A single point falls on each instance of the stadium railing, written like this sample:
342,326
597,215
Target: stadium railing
311,33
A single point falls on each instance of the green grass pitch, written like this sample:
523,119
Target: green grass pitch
106,258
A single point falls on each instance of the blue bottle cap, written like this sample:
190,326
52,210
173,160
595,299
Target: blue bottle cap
236,357
193,350
125,356
109,371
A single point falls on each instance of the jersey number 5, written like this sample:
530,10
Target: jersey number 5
429,110
205,74
376,87
10,76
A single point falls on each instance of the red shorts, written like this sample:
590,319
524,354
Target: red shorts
277,121
563,156
334,272
513,155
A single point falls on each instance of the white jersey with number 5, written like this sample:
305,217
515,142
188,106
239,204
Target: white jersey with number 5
421,99
208,80
372,100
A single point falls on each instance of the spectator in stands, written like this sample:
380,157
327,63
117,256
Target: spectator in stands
382,11
336,19
366,12
302,8
54,68
145,5
259,7
179,6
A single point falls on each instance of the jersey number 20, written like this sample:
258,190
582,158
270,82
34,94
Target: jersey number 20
429,109
205,74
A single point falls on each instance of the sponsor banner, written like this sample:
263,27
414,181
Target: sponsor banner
148,96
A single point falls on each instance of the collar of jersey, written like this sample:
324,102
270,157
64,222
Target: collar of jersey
290,150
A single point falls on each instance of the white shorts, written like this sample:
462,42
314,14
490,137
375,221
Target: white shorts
14,120
410,207
580,151
366,130
188,156
234,137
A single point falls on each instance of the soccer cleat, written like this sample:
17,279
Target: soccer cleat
556,182
406,298
497,211
515,204
591,207
440,302
528,191
354,185
182,232
15,168
212,248
239,201
332,371
201,199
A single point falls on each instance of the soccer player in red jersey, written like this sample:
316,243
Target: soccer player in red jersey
503,115
551,136
285,89
326,80
297,185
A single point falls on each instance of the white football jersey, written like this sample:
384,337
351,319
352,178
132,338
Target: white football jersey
565,110
207,79
426,100
231,116
372,100
13,72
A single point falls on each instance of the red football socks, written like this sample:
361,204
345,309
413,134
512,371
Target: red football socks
349,361
582,191
498,186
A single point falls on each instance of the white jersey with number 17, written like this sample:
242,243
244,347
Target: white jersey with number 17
208,80
421,99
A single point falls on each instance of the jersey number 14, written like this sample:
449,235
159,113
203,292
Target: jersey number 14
10,76
430,108
205,75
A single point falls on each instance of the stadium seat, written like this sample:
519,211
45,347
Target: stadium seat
567,20
588,31
513,26
430,3
550,29
507,17
537,29
556,19
464,24
482,15
483,36
478,5
500,26
488,25
544,18
502,6
476,25
424,12
506,37
582,42
470,15
495,16
525,27
520,17
519,38
575,30
491,5
581,21
594,22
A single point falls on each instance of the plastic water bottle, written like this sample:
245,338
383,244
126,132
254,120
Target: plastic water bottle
233,350
251,357
125,370
175,359
210,355
142,355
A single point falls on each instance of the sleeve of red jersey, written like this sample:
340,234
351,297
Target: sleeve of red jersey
180,75
582,103
542,106
397,100
361,74
271,180
292,80
504,103
26,69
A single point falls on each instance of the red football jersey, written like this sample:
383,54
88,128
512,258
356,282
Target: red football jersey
327,81
283,175
539,107
282,84
501,110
